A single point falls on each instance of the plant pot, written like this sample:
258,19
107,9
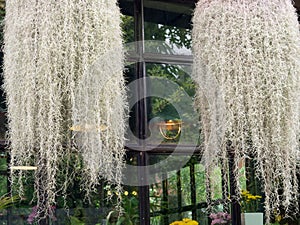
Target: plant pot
256,218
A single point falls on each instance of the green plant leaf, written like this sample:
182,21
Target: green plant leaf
6,201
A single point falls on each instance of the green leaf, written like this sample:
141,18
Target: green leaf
6,201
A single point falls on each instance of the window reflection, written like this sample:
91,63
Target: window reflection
171,111
127,28
169,25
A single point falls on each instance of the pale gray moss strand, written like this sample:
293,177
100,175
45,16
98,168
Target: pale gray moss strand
246,66
49,49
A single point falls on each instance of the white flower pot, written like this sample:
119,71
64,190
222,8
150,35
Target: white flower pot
256,218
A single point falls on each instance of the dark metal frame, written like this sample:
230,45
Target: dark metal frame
140,57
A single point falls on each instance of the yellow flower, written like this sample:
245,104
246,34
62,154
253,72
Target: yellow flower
192,222
109,193
185,221
177,223
134,193
126,193
278,218
245,192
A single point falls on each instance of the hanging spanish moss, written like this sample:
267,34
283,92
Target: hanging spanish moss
247,66
55,90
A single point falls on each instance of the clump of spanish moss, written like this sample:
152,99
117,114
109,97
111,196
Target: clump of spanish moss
247,66
63,72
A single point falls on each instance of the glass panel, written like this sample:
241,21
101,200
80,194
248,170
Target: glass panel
164,193
126,7
200,183
3,218
172,192
202,217
187,215
3,164
168,27
129,74
3,185
129,203
156,220
3,120
128,28
216,178
160,165
156,197
174,217
127,25
186,186
172,118
19,216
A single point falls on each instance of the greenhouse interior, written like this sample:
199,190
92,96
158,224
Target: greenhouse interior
150,112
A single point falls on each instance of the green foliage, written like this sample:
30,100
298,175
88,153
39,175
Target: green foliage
127,28
7,201
177,74
3,179
130,215
75,221
176,36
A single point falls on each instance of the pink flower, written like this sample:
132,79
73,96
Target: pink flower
216,221
32,216
220,218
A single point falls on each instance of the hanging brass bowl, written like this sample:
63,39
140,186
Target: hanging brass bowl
171,126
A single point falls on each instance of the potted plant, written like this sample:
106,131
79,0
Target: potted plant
249,204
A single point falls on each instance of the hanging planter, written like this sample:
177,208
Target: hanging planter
63,68
246,66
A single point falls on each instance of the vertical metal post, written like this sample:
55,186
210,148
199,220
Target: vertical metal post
165,202
179,192
144,195
141,114
235,206
225,182
193,191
